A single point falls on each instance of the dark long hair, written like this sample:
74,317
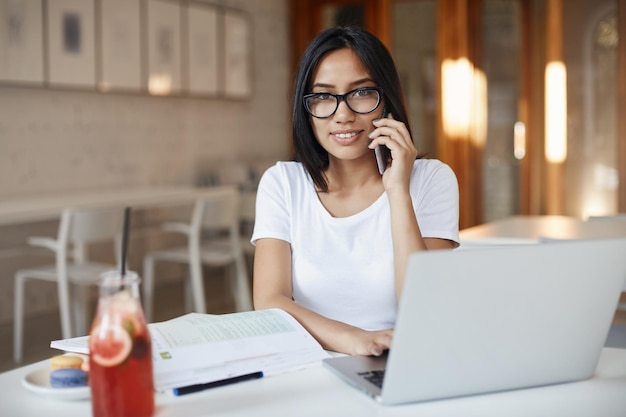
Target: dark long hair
380,66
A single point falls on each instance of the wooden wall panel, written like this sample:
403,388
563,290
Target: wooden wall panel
621,128
458,33
554,181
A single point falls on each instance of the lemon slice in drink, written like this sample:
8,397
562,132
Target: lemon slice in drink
110,344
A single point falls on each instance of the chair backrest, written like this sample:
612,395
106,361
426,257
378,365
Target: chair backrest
217,210
82,226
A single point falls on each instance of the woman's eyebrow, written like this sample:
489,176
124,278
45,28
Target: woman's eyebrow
362,81
322,85
353,83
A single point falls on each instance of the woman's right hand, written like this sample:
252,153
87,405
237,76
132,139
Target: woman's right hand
395,136
371,343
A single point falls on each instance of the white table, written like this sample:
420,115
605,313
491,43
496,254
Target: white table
519,230
49,207
316,392
529,229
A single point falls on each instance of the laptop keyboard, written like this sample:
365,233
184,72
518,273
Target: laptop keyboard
375,377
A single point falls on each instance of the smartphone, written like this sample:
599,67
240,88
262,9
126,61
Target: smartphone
383,154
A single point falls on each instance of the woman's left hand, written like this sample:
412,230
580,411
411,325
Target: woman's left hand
394,134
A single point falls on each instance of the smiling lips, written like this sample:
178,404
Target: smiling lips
346,138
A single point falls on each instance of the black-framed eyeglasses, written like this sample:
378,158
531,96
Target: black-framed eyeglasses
361,100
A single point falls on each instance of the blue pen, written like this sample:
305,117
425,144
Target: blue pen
201,387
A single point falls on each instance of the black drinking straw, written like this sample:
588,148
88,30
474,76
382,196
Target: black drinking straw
125,239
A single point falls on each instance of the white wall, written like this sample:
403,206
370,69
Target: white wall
62,140
54,140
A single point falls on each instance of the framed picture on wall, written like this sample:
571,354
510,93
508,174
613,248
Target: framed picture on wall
202,53
164,47
71,43
120,45
21,41
237,55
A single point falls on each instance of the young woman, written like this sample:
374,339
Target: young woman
332,235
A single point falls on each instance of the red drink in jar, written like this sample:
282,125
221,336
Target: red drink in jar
120,351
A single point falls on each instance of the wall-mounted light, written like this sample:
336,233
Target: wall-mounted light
556,112
160,84
519,140
104,86
464,101
478,112
456,96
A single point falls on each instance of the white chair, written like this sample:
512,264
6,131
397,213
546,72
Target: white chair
77,229
245,177
217,212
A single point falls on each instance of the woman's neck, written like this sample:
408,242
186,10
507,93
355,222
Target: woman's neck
350,176
352,187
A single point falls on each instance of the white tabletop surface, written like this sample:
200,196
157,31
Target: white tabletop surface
520,229
49,207
316,392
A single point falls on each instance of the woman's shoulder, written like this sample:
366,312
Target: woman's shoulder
431,166
286,173
433,173
286,168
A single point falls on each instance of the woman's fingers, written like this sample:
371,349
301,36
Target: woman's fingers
390,129
382,342
373,343
397,143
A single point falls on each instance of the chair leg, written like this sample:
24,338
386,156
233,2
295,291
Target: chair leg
63,294
243,298
18,318
187,292
197,282
148,286
80,307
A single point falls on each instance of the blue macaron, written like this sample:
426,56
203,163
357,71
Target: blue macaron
68,378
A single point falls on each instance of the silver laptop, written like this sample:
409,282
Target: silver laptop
500,318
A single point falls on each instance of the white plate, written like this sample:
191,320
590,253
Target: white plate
39,382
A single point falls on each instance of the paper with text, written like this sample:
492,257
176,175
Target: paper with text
199,348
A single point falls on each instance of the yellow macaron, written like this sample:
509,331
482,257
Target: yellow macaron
65,361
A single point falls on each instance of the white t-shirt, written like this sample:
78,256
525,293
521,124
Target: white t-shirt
343,267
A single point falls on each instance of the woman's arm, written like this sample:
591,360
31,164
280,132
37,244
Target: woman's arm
273,289
407,237
405,231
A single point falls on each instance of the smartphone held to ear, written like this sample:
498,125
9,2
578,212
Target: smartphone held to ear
383,154
382,157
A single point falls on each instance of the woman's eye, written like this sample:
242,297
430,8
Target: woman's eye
323,96
362,93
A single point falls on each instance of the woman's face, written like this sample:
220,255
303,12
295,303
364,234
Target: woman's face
344,134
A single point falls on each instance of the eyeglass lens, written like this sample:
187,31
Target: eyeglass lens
361,100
